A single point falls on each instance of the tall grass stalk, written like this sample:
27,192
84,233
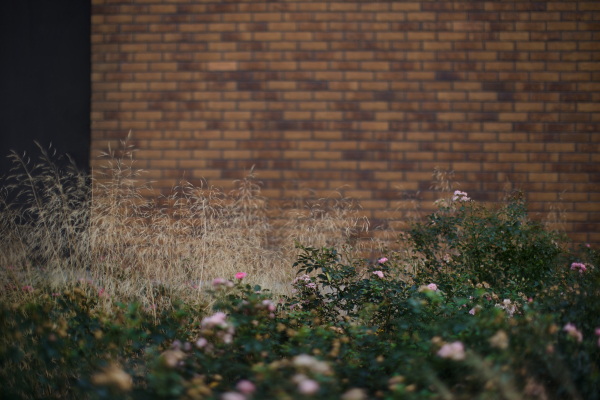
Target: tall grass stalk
67,227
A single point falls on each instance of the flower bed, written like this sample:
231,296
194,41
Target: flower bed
480,304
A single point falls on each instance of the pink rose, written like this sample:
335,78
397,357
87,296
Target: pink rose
454,351
245,387
218,319
475,310
379,274
578,266
240,275
308,386
432,286
573,332
269,304
382,260
218,281
460,196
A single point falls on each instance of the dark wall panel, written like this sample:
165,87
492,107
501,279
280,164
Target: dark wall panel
45,78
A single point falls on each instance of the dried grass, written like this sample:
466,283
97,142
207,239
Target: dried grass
72,227
556,220
100,228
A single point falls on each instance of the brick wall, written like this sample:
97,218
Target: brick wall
371,95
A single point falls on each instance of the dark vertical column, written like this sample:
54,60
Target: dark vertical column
45,78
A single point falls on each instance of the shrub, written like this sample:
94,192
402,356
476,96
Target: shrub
485,305
499,246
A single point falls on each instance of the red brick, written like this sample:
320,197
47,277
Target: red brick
489,89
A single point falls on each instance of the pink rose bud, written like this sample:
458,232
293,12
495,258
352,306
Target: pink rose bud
240,275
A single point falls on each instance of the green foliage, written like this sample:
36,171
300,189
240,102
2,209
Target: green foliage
57,340
502,247
484,305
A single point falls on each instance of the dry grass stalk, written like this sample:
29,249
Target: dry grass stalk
68,230
128,245
556,220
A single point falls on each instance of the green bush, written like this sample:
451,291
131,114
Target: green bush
502,247
485,304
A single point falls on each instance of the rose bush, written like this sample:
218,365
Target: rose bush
486,304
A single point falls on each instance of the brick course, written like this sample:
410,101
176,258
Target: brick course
371,95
